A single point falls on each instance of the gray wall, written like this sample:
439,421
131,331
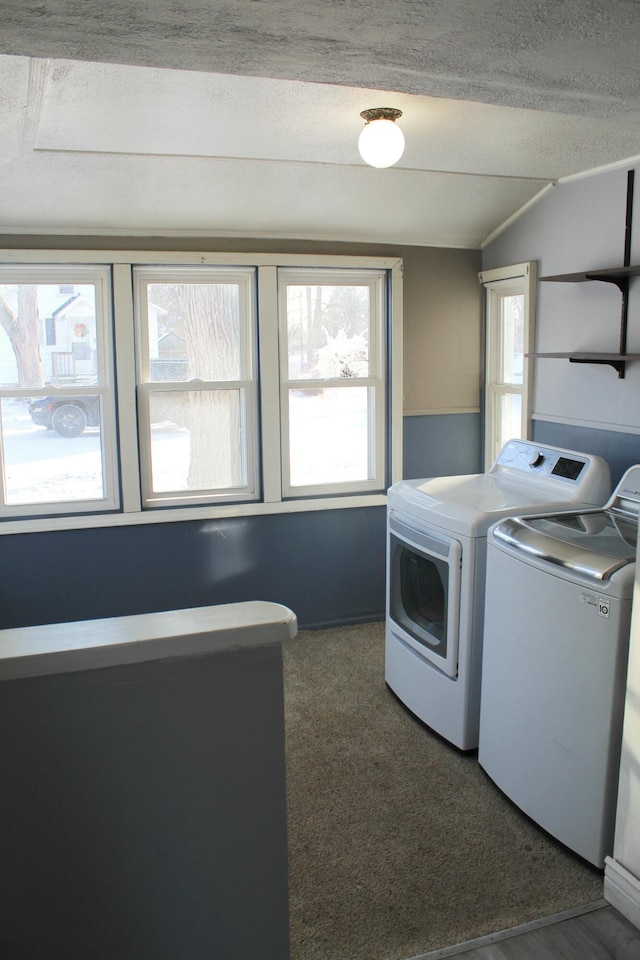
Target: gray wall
143,811
329,566
578,226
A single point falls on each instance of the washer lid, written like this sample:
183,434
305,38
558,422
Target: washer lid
594,543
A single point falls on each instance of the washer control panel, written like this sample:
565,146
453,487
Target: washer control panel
524,459
531,458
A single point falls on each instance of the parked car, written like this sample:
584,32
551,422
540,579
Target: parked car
68,416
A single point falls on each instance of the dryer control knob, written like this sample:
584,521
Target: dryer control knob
537,461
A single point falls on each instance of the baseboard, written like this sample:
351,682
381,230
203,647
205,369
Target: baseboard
622,890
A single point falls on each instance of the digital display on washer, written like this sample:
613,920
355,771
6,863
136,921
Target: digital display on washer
570,469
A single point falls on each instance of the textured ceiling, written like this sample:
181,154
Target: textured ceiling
500,98
576,56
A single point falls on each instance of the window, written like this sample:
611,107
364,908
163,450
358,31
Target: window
135,383
198,412
50,331
57,426
509,331
332,376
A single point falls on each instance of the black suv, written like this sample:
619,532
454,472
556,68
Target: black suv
68,416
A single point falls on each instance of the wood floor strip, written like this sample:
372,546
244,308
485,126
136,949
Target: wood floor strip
501,935
617,937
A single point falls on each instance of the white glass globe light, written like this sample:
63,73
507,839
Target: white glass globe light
381,142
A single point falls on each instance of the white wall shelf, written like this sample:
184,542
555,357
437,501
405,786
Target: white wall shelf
619,276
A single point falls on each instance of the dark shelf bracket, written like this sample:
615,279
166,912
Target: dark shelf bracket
622,283
618,277
618,365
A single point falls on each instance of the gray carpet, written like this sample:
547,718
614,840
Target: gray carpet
398,843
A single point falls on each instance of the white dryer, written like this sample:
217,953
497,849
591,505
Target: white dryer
556,638
436,554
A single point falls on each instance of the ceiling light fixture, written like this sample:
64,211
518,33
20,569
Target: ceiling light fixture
381,143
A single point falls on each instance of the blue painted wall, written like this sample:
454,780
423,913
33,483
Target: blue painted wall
327,566
620,450
442,445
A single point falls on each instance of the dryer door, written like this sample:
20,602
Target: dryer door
423,586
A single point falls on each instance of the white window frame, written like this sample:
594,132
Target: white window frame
374,383
99,276
246,385
130,509
516,279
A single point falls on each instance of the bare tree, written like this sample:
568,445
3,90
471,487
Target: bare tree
21,325
212,335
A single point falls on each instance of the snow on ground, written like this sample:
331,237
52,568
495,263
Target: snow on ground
328,444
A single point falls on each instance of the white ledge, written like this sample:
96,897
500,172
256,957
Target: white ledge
91,644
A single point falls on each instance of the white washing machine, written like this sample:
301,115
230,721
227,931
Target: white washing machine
436,553
556,638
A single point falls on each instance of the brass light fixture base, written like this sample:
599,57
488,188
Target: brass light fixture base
380,113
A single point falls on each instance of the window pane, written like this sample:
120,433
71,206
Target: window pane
197,339
328,435
328,331
50,465
194,331
56,406
52,338
509,417
196,440
512,356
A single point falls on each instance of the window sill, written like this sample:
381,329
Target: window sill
185,514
